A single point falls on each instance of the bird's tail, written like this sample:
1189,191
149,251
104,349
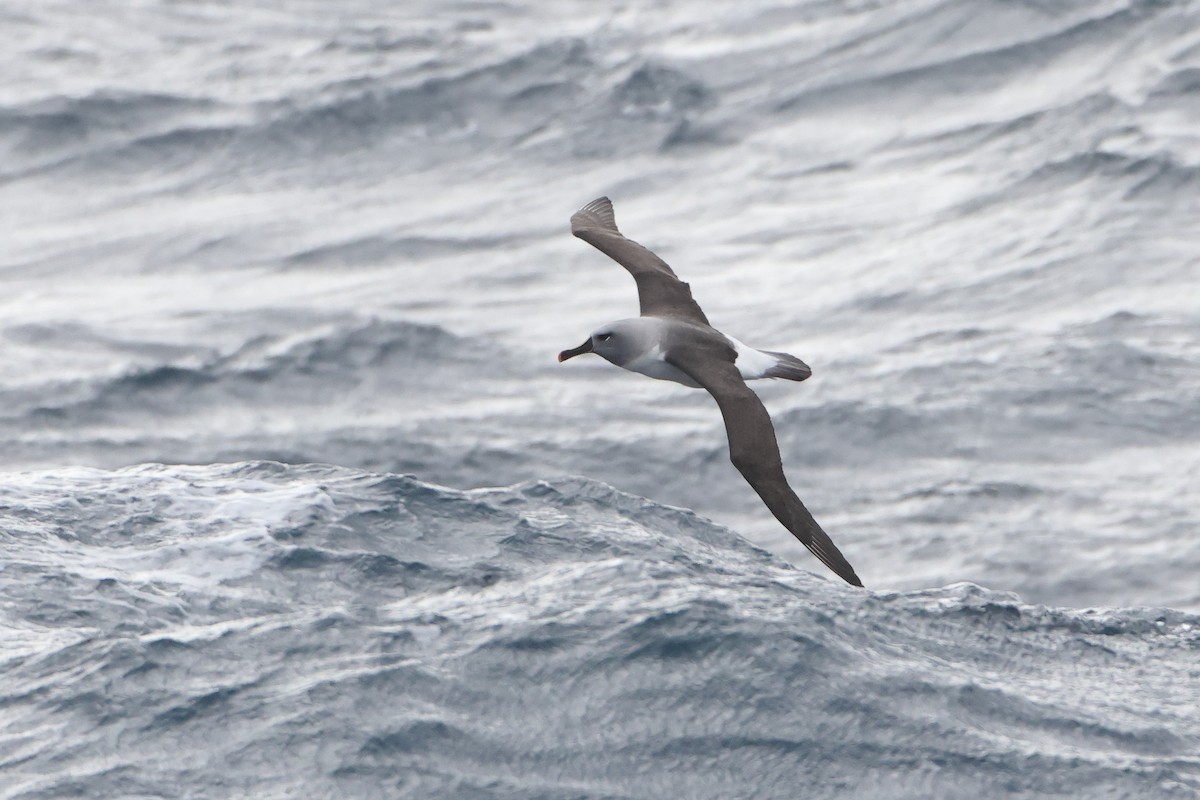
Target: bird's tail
787,367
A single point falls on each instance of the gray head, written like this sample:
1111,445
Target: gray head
618,342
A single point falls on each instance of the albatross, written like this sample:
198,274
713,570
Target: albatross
673,341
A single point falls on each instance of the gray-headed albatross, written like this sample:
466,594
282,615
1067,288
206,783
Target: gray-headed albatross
673,341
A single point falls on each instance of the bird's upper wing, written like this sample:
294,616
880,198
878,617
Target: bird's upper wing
660,292
753,448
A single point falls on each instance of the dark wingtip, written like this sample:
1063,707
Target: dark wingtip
596,214
821,546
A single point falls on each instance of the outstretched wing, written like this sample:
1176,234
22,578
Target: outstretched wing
660,292
754,450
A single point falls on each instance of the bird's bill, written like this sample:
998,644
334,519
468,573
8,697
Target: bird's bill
586,347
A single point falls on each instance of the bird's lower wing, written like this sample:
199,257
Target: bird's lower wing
754,450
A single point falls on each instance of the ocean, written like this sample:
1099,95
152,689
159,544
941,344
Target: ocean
296,501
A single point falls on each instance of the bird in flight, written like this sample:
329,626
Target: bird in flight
673,341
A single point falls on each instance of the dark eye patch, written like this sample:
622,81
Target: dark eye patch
604,337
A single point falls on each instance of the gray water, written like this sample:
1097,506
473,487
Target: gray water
266,239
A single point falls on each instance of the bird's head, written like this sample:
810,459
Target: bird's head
613,343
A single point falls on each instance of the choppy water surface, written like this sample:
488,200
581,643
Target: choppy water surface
264,238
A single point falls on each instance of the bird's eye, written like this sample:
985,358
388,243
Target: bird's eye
604,337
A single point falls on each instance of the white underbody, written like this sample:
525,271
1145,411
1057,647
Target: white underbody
751,363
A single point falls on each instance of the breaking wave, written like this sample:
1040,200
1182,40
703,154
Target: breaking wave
319,631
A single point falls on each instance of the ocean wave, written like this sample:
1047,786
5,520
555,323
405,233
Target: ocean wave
306,366
551,98
1107,397
103,127
554,96
960,60
372,250
1137,174
57,121
545,638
